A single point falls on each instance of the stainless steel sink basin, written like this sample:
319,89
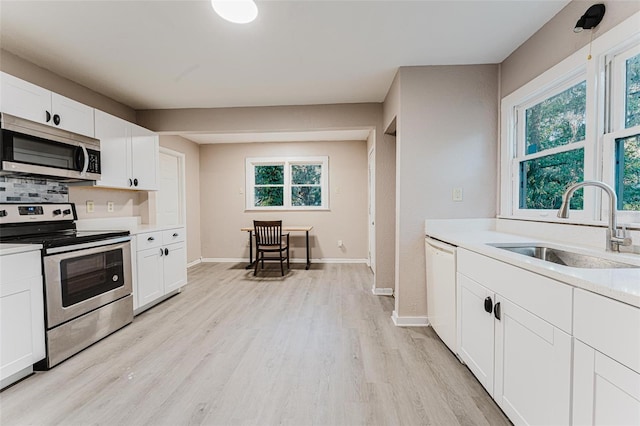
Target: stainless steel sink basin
563,257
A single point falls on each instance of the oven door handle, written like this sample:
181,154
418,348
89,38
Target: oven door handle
92,244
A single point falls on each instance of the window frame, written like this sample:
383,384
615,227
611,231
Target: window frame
287,162
602,111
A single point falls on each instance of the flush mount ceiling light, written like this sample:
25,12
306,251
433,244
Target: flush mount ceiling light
590,19
236,11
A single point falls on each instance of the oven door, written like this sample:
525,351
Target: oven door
79,281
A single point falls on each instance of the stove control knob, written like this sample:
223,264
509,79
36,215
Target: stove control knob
3,213
66,212
57,212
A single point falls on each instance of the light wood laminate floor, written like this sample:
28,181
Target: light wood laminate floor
316,347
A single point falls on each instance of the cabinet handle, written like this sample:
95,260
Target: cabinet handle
166,252
48,118
150,239
56,119
175,234
496,311
130,182
135,182
161,251
488,305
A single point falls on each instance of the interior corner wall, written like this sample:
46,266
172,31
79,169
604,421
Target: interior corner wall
446,139
191,151
556,41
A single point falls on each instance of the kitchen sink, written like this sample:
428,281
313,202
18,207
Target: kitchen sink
564,257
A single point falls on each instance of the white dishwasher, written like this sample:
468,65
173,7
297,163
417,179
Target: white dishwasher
441,290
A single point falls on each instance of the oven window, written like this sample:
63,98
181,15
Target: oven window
87,276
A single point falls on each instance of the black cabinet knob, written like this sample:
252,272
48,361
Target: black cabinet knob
150,239
130,182
56,119
488,305
175,234
166,252
57,212
161,251
135,182
48,116
497,312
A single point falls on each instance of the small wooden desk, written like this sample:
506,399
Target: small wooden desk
304,229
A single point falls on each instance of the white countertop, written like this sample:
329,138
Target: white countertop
141,229
6,249
131,224
619,284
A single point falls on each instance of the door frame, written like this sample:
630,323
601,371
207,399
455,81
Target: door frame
371,174
182,188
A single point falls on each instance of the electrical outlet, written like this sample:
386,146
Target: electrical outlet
90,207
110,206
340,243
457,194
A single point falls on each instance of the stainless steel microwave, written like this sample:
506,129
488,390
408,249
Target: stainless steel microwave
28,148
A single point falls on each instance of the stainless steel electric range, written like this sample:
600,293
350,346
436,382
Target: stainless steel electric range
87,275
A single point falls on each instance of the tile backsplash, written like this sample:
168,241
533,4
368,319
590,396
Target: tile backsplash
20,190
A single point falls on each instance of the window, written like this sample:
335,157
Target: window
580,120
294,183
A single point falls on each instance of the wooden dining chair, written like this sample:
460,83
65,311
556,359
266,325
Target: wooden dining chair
270,239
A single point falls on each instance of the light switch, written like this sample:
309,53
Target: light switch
90,207
457,194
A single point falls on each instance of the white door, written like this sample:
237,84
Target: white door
441,290
605,392
144,155
372,206
169,195
25,100
532,367
150,275
115,150
175,271
476,330
74,116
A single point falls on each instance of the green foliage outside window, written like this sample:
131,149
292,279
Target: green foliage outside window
632,98
558,120
269,175
269,186
628,173
306,174
305,185
544,180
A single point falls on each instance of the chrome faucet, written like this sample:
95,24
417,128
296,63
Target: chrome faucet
614,238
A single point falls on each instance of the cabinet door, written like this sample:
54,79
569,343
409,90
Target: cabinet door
175,267
476,330
144,154
533,367
150,284
441,291
115,150
23,99
605,392
74,116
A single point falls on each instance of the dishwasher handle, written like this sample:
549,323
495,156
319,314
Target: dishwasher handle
439,245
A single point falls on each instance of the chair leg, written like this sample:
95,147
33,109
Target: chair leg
288,258
281,265
255,266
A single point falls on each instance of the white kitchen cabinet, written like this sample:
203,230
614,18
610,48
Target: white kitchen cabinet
129,154
440,265
476,330
606,363
21,315
161,266
26,100
523,360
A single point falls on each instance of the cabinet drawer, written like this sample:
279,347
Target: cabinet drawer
19,266
173,236
148,240
549,299
609,326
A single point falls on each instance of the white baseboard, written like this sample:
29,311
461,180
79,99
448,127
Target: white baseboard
194,263
244,260
409,321
382,291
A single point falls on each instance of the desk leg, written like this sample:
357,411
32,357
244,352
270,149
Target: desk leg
250,265
308,256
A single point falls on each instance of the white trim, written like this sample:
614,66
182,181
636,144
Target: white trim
194,263
382,291
409,321
302,260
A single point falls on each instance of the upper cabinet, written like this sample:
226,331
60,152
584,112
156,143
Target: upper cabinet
129,154
26,100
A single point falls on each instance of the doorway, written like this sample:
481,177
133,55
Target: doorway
170,201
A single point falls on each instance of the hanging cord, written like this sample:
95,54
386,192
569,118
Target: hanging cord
590,43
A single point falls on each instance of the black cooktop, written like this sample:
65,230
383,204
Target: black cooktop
64,238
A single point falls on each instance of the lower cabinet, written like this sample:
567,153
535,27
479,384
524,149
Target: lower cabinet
161,266
521,359
21,315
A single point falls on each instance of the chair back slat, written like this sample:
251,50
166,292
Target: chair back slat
268,232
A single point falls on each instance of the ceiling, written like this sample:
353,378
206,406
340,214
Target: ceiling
180,54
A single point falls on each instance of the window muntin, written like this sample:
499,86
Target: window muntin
627,172
292,183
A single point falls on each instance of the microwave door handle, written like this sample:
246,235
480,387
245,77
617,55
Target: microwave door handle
85,165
